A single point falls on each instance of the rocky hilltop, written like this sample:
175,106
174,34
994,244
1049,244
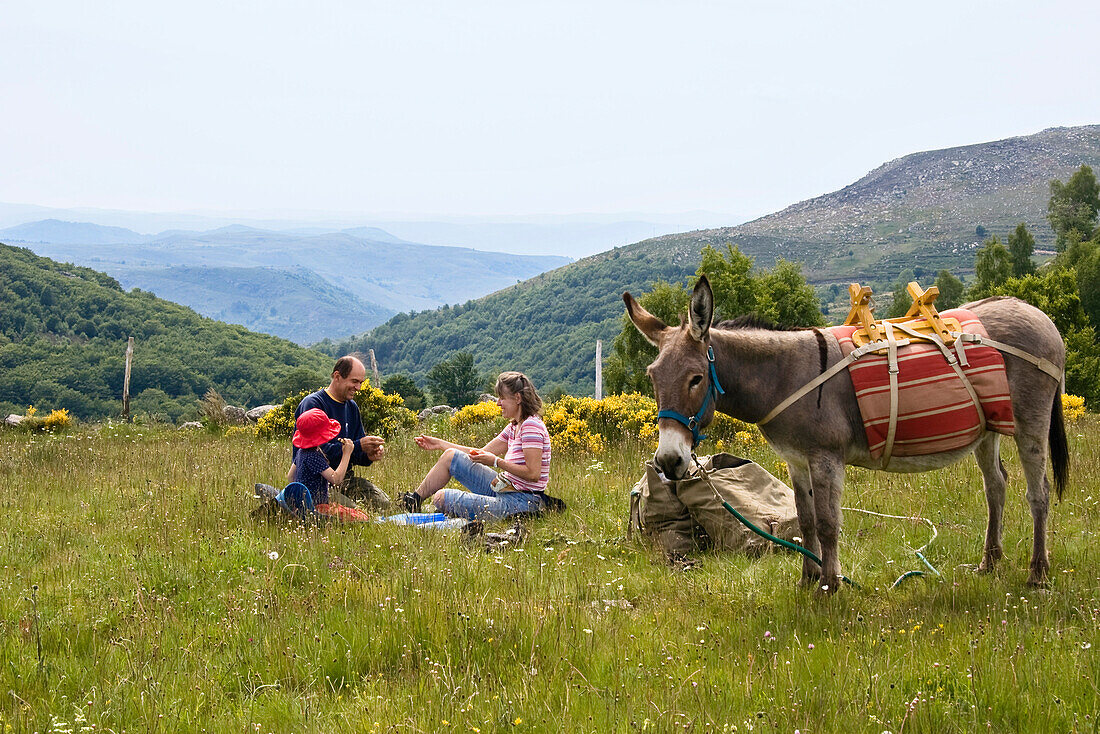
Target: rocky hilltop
924,208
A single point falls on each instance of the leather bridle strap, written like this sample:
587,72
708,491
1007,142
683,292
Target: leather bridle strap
713,391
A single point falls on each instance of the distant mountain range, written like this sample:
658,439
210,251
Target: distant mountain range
921,212
302,286
568,235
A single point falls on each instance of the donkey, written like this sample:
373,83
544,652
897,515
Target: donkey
759,366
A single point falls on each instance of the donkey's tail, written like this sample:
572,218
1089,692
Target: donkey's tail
1059,447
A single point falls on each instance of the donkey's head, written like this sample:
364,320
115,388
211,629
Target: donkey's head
683,377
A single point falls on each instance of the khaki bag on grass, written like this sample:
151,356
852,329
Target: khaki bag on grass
685,516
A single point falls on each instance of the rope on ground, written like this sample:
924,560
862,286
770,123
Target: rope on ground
919,552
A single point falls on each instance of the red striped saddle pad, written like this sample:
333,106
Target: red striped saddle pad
935,410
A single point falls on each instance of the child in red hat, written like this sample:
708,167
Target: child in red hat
313,429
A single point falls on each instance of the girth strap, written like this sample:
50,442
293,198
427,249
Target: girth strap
892,367
1045,365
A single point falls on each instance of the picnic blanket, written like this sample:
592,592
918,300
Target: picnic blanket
936,411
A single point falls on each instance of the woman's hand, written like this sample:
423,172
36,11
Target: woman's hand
430,443
482,457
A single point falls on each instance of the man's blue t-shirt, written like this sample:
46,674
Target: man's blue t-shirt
351,426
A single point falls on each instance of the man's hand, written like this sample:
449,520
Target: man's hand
373,446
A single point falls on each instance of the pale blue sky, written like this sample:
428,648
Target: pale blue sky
514,108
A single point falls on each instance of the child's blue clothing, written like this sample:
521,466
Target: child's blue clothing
311,465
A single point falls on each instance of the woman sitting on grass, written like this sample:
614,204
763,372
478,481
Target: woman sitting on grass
521,452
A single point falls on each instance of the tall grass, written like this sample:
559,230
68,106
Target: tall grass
161,606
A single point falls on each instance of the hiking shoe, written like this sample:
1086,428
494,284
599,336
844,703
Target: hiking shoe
412,501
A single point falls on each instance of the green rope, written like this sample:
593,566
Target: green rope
763,533
809,554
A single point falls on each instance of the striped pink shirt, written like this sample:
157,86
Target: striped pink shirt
532,434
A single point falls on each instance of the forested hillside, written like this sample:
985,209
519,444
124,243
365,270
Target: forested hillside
921,213
546,326
63,332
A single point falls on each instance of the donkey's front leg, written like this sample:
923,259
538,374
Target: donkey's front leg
807,522
827,474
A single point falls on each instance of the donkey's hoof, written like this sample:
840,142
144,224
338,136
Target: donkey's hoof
1038,579
986,566
811,581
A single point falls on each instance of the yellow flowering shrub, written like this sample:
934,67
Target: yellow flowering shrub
382,414
613,417
57,421
628,415
1073,406
575,438
575,425
476,414
279,422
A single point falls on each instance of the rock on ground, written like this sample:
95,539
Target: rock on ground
434,411
235,415
259,412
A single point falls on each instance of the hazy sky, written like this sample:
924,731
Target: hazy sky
500,108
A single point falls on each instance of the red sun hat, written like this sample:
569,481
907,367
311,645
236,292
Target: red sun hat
314,429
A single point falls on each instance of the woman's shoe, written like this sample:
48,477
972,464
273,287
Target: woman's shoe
412,501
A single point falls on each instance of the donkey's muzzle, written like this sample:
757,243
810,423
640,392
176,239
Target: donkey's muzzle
672,464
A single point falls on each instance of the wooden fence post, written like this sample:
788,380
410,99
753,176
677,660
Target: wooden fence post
374,370
599,369
126,380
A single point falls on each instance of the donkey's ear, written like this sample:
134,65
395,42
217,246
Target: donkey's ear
701,310
650,326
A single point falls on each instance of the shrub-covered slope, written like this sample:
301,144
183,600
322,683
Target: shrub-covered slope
546,326
63,332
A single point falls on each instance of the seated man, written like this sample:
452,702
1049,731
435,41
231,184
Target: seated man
337,402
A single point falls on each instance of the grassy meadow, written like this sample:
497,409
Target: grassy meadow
138,595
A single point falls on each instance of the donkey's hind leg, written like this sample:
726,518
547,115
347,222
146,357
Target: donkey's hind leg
993,478
1031,439
827,473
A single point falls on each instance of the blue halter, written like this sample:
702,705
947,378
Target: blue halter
713,391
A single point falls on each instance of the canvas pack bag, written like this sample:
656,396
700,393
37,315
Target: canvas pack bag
686,515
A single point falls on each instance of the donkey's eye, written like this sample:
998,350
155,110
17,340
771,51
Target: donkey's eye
695,381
